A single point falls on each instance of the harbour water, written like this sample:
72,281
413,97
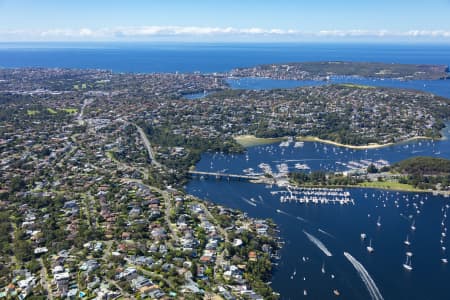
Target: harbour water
314,231
339,227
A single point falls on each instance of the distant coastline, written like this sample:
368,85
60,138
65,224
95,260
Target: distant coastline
251,140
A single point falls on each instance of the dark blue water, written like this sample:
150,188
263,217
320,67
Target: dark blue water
429,278
172,57
319,156
438,87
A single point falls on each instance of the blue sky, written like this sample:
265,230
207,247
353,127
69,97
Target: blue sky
204,20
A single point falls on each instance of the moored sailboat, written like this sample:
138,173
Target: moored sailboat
407,265
369,248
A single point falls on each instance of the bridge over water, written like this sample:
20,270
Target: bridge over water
220,175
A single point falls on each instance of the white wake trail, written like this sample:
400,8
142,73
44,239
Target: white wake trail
318,243
326,233
249,202
302,219
365,277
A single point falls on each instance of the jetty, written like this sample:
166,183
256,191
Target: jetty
221,175
314,195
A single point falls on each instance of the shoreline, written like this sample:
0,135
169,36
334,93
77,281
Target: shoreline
383,185
364,185
251,140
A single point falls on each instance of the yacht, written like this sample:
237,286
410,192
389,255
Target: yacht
407,242
379,221
370,248
407,265
413,225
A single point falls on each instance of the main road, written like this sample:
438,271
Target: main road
147,145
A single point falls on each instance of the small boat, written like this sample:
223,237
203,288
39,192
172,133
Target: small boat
379,221
278,211
323,268
336,293
407,242
305,293
413,225
369,248
409,254
363,236
407,265
444,260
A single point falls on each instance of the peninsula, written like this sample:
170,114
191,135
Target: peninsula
415,174
327,69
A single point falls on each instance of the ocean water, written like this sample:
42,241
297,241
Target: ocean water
190,57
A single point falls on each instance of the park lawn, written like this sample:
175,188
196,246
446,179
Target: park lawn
390,185
70,110
32,112
359,86
251,140
52,111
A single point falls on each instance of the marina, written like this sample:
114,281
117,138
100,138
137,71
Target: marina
405,230
314,195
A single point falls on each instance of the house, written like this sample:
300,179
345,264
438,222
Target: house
128,274
40,250
26,285
89,266
139,282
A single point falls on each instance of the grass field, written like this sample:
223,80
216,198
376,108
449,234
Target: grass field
390,185
70,110
251,140
32,112
358,86
52,111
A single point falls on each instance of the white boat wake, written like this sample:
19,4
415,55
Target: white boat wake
326,233
249,202
282,212
318,243
302,219
365,277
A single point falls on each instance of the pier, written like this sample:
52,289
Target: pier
219,175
